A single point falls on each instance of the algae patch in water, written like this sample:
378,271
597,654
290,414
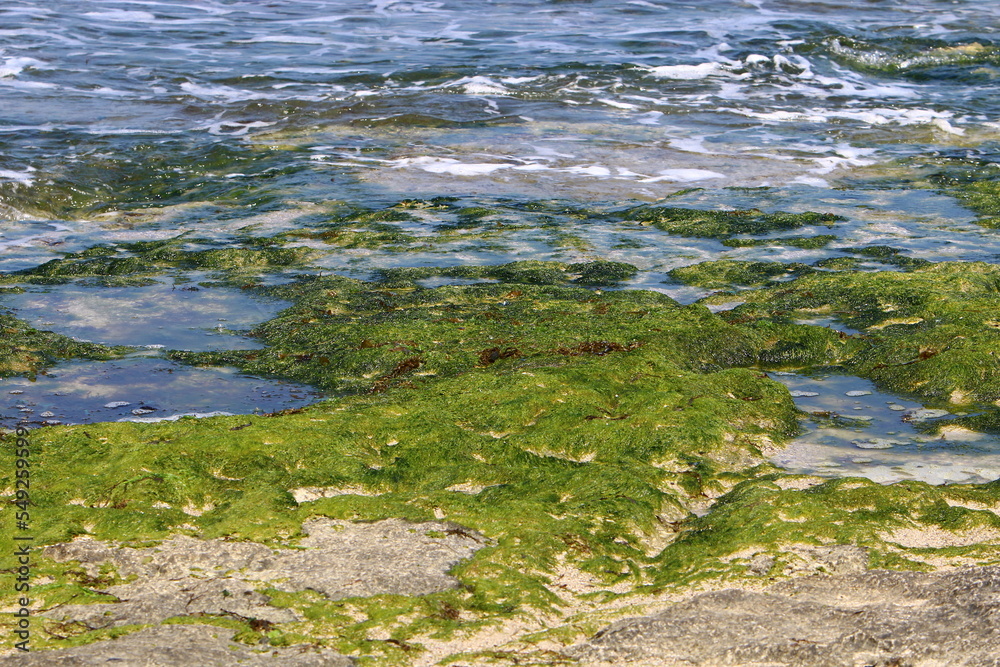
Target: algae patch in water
723,224
930,332
27,351
344,335
725,272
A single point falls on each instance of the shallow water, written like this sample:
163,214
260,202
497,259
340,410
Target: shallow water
854,429
140,388
167,314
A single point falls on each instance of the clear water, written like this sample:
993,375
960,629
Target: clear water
179,316
852,428
124,121
140,388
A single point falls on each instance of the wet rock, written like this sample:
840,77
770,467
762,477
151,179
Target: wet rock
338,559
876,443
155,600
873,618
924,414
178,646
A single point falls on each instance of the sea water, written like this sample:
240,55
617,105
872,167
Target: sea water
130,121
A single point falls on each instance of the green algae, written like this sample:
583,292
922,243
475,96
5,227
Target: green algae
27,351
723,224
603,272
889,255
598,273
727,272
805,242
769,515
595,465
616,433
150,174
931,332
564,457
344,335
135,263
912,57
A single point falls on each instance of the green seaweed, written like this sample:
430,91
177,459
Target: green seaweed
602,272
805,242
615,434
723,224
931,332
27,351
727,272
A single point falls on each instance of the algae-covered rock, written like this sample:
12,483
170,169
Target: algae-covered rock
727,272
25,350
723,224
603,272
345,335
932,331
497,453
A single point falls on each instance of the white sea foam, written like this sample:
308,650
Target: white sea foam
616,104
122,15
588,170
235,129
14,66
873,116
438,165
480,85
683,175
22,177
811,180
691,145
689,72
221,92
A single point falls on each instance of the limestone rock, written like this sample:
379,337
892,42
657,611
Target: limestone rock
876,617
177,646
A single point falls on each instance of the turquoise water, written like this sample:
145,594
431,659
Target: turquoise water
233,120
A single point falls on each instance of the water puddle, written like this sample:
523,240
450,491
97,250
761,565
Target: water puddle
141,389
856,430
174,316
830,323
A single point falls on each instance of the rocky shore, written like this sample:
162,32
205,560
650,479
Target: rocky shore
526,464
